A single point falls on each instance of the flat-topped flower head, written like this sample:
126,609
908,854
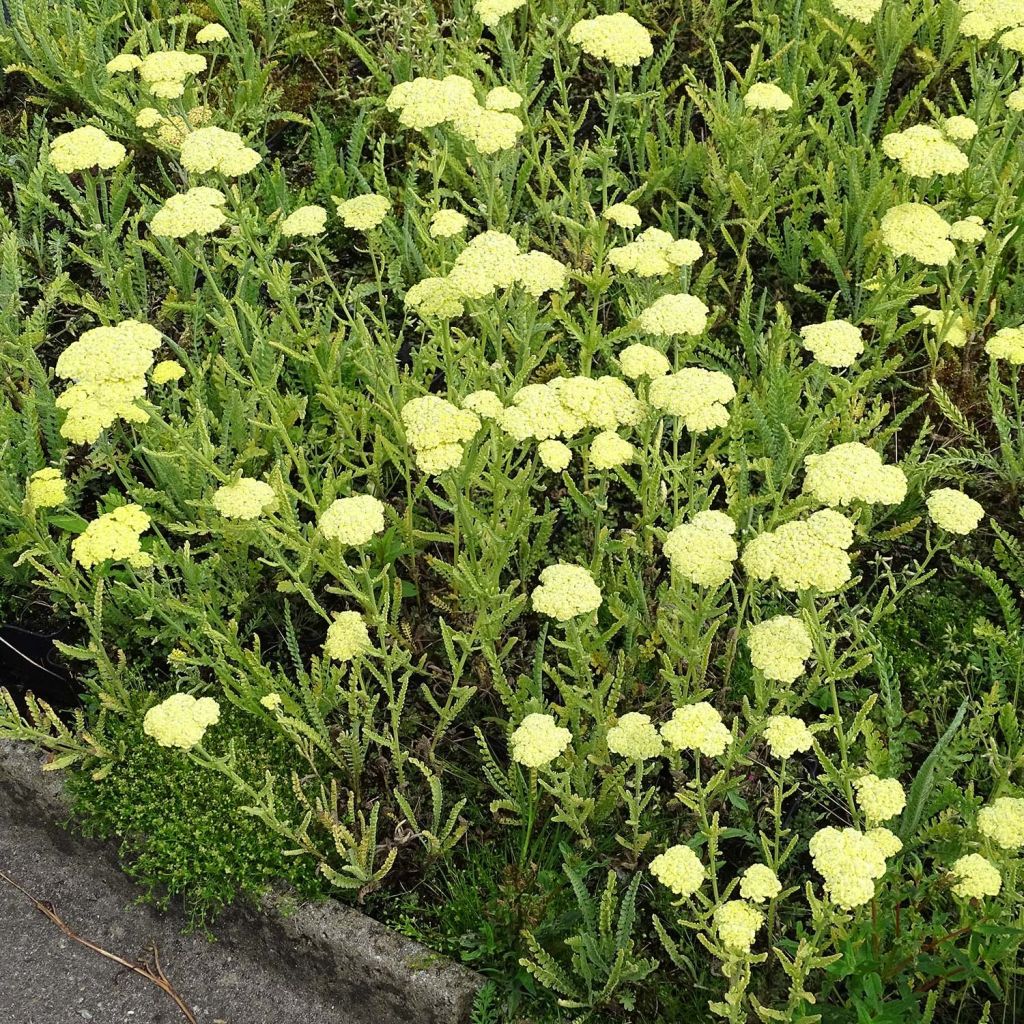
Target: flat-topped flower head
501,97
787,736
858,10
199,211
306,221
608,450
486,404
244,498
779,647
879,799
971,230
643,361
617,38
46,488
437,432
490,12
565,406
853,472
737,924
115,536
181,721
1003,822
975,877
623,215
674,315
537,272
1007,343
703,550
538,741
679,869
565,592
916,230
167,371
767,96
85,148
759,883
363,213
697,396
354,520
166,71
959,127
554,455
835,342
124,63
802,555
850,862
212,33
654,253
923,152
954,511
983,19
697,727
635,737
347,637
448,224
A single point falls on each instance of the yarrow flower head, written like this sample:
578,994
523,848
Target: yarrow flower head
181,721
85,148
913,229
850,862
811,553
244,498
635,737
167,371
737,924
853,472
834,342
643,361
697,727
949,327
858,10
759,883
1015,101
347,637
923,151
306,221
678,869
779,647
672,315
490,12
363,213
555,455
617,38
961,128
970,229
166,71
199,211
983,19
703,550
565,406
623,215
767,96
608,450
123,63
538,273
787,736
114,536
697,396
214,149
212,33
354,520
565,592
46,488
953,510
975,877
879,799
654,253
1003,822
447,224
486,404
538,741
501,97
437,432
1007,343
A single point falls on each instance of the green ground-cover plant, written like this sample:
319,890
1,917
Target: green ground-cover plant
552,480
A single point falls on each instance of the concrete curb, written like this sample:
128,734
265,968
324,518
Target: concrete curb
331,948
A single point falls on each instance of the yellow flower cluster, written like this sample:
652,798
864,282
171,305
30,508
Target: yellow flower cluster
759,883
1007,343
537,273
306,221
181,720
608,450
953,510
643,361
853,472
948,327
167,371
566,591
46,488
858,10
501,97
555,455
166,71
538,741
490,12
437,431
654,252
108,366
195,212
635,736
673,315
779,647
787,736
114,536
703,550
970,229
879,799
767,96
617,38
975,877
347,637
850,862
1003,822
354,520
124,62
565,406
985,18
363,213
624,215
173,129
1015,101
679,869
697,396
803,554
447,224
913,229
961,128
244,498
697,727
737,924
429,102
84,148
834,342
212,33
214,149
486,404
923,151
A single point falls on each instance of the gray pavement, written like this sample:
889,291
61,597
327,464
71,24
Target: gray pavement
45,978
